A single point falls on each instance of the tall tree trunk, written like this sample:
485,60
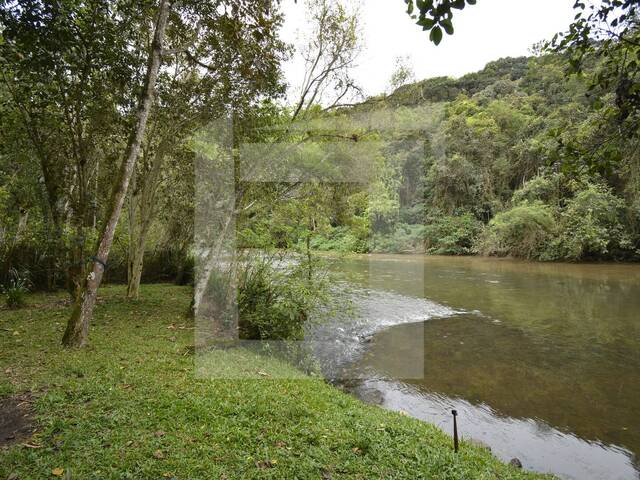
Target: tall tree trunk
141,213
77,331
133,223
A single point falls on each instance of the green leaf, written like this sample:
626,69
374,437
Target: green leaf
436,35
426,23
448,26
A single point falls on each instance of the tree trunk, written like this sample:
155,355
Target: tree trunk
136,253
77,331
141,213
133,284
132,211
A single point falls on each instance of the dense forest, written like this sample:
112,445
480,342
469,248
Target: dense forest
513,160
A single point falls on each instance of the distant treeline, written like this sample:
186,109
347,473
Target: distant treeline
529,163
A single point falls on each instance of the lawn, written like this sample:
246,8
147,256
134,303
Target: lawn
130,406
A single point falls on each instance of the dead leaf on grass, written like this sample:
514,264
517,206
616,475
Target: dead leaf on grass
263,464
31,445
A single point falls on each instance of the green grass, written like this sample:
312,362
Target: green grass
130,406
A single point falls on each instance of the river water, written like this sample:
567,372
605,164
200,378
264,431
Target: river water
542,361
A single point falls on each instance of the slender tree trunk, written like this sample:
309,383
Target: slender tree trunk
142,211
133,286
77,331
22,226
136,253
132,214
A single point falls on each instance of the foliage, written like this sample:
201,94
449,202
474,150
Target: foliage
436,15
543,188
341,239
523,231
609,32
498,146
275,300
16,288
603,46
452,235
592,225
404,238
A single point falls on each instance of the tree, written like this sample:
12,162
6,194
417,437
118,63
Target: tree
73,70
77,331
69,69
402,74
330,52
234,66
610,34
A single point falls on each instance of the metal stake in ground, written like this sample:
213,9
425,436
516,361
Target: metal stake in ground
455,430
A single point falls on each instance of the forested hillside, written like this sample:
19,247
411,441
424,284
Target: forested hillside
518,159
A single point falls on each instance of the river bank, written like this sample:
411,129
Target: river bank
129,406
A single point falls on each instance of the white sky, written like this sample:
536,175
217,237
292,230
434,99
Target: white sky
489,30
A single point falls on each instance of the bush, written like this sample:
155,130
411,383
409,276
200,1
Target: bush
592,226
275,303
523,232
17,288
452,235
541,188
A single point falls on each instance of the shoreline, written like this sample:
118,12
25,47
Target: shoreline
133,397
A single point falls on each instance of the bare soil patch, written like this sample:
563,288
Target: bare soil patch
16,419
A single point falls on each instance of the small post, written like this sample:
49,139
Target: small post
455,430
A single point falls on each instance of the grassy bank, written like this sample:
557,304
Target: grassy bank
129,406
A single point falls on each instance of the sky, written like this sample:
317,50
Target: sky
489,30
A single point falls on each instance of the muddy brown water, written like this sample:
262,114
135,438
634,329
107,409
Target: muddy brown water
542,361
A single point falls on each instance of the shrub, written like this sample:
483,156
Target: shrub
522,232
274,303
592,225
452,235
540,188
17,288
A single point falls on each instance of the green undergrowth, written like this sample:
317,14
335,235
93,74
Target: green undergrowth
131,406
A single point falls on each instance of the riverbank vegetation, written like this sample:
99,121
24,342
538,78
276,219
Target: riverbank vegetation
138,411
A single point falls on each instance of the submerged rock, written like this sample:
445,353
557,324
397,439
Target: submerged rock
371,396
515,462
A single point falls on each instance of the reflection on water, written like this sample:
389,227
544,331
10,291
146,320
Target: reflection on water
543,365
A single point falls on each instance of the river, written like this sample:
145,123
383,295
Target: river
542,361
